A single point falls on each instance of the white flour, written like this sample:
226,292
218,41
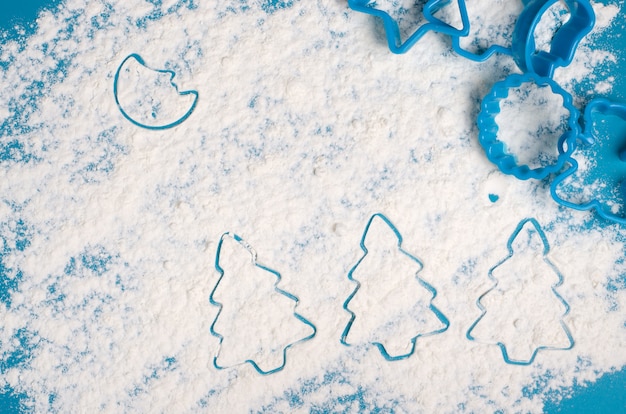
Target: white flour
305,126
532,118
490,25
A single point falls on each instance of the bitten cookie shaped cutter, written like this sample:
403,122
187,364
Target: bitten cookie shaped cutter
276,288
442,318
609,155
496,150
172,74
392,30
564,43
546,249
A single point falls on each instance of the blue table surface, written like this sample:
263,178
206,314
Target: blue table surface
605,395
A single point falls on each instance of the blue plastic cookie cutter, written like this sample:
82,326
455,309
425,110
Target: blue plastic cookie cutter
484,54
609,156
479,56
392,30
564,43
496,150
546,250
442,318
276,288
172,74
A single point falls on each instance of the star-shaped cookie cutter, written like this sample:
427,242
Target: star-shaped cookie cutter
496,150
480,56
609,156
294,298
564,42
546,250
392,30
442,318
476,56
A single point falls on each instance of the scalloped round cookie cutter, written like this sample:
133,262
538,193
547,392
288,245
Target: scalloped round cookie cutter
564,42
438,314
613,159
294,298
496,150
392,30
172,74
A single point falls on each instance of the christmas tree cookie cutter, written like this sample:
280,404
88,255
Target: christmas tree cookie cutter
546,249
496,150
171,74
609,155
392,29
214,302
564,42
442,318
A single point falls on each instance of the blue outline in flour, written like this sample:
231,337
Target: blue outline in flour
276,288
172,74
442,318
496,150
564,41
616,172
479,56
546,250
392,30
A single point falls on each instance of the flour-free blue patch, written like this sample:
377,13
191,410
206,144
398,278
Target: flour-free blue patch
158,11
605,395
18,17
14,151
15,236
12,402
270,6
20,351
22,101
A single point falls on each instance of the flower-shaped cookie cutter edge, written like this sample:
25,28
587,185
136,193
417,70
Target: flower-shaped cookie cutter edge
496,149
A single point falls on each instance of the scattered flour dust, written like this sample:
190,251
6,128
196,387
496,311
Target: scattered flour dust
305,126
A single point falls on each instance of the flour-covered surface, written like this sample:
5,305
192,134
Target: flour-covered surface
530,123
306,125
